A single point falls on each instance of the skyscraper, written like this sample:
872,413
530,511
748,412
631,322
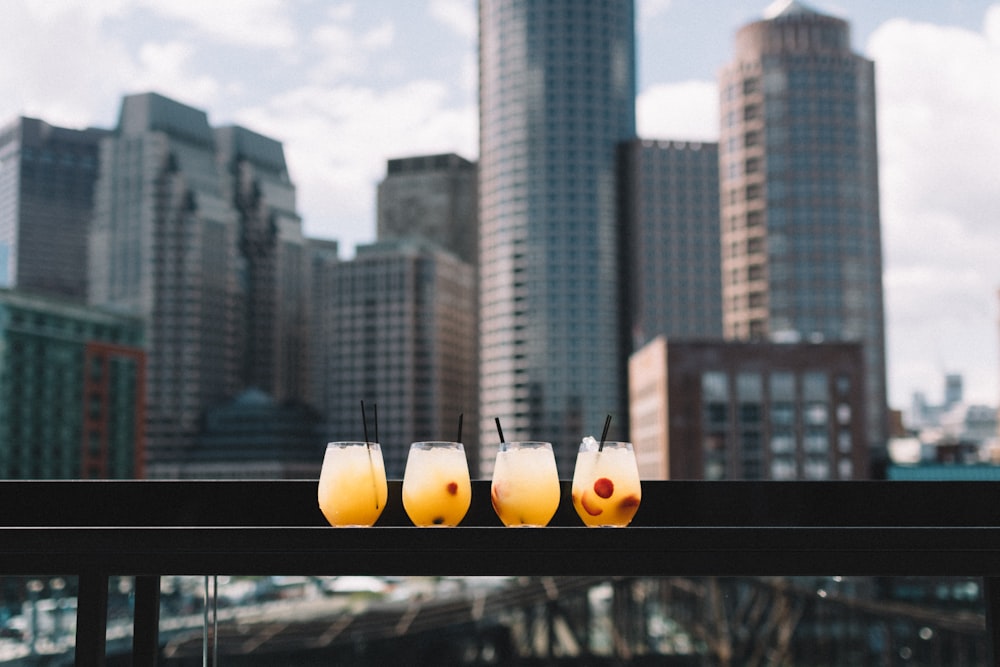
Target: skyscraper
801,240
556,98
47,176
670,197
195,231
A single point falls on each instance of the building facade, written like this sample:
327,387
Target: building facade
431,197
731,410
671,203
71,391
190,231
272,253
395,327
254,436
801,239
47,177
556,98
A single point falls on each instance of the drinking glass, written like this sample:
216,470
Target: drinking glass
436,486
352,487
606,489
525,488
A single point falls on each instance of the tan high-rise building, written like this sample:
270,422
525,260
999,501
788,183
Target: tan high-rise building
801,240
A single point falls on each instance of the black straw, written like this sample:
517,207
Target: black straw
368,446
460,416
607,423
364,420
499,430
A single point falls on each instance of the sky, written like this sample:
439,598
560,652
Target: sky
346,85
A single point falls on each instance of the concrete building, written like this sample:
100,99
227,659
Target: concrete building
801,239
556,98
741,410
195,232
395,327
431,197
671,202
71,390
47,177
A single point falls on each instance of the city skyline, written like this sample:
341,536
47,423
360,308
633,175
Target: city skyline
940,297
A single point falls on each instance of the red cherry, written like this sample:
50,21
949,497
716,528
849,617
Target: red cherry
452,488
604,487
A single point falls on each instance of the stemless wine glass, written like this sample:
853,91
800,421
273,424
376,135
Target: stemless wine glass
436,486
525,488
606,489
352,487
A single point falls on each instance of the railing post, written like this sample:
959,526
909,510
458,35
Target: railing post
91,619
146,621
992,585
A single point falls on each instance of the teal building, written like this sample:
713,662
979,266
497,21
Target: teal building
71,391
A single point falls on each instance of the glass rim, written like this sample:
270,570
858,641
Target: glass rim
527,443
352,443
608,444
428,444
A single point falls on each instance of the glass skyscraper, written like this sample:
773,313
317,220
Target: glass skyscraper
801,242
670,196
556,97
47,176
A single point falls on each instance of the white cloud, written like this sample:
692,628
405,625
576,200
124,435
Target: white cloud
247,23
938,101
650,9
459,15
337,140
57,65
688,110
167,68
991,24
344,52
88,13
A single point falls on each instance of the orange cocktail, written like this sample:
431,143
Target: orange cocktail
525,488
606,489
436,486
352,487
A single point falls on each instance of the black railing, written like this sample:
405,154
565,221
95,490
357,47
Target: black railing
98,529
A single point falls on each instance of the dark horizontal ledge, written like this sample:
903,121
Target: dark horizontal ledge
398,551
274,503
681,528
